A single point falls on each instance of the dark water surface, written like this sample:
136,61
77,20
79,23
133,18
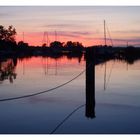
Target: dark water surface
117,97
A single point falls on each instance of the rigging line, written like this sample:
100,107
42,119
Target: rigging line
114,61
110,74
66,118
41,92
109,36
105,77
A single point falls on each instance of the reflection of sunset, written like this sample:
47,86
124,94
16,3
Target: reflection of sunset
45,69
36,62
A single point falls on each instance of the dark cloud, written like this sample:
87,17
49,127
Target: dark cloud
128,31
63,33
129,40
68,34
62,25
73,34
133,40
82,33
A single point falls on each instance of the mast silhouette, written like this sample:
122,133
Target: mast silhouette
105,45
105,54
127,44
45,66
44,38
56,67
105,32
105,77
47,39
23,67
23,36
55,36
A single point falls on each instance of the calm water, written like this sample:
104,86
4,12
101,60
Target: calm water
117,97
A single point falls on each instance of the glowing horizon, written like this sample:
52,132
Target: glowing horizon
73,23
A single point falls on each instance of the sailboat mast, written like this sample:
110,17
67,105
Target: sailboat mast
47,39
44,37
23,36
127,43
55,36
104,52
105,32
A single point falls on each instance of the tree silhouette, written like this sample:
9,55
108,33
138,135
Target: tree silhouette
74,46
7,34
56,44
69,44
44,45
7,38
22,44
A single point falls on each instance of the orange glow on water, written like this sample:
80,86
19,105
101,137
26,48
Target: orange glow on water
50,62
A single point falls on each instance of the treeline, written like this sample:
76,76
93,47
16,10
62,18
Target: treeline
8,44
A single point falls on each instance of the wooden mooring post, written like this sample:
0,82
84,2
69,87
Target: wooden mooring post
90,83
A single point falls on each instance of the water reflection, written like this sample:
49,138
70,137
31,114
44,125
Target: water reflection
8,65
7,70
41,110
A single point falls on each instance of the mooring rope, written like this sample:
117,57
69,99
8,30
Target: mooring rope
66,118
41,92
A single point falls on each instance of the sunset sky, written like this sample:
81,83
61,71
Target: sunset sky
83,23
